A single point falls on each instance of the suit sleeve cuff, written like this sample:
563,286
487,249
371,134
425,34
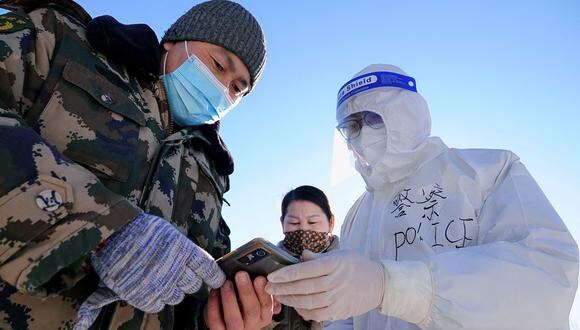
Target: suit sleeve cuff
408,291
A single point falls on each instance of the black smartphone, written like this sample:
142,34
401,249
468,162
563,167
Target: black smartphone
258,257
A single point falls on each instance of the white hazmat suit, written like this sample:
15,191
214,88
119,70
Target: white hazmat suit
465,237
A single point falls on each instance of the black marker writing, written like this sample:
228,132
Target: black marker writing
431,197
455,233
465,238
435,235
401,203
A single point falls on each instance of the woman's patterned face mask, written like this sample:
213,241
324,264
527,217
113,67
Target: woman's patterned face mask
299,240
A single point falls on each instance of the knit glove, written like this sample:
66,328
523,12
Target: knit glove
149,264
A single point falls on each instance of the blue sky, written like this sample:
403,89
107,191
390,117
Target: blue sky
496,74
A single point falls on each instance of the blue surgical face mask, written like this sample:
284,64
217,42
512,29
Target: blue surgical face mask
194,94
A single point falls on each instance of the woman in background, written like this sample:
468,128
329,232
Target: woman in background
307,223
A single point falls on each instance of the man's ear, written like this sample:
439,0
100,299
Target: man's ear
282,223
168,45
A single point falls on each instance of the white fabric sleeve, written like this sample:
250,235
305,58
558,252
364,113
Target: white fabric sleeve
339,324
349,218
408,290
521,273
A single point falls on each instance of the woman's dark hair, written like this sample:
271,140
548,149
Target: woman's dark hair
309,194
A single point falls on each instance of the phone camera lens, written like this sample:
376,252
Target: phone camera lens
260,253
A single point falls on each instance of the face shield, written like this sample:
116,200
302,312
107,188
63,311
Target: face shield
366,137
368,82
384,121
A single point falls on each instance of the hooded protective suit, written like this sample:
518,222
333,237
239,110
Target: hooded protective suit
467,238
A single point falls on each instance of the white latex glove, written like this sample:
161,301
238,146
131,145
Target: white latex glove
330,286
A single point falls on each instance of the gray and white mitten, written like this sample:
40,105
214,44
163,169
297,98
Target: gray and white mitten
149,264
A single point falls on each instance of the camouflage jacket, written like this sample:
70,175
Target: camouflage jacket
85,147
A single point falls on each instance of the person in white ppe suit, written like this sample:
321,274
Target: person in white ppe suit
442,238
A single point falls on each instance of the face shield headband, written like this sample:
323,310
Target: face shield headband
374,80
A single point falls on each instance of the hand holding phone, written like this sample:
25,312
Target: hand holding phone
258,257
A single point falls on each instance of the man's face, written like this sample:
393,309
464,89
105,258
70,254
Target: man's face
225,65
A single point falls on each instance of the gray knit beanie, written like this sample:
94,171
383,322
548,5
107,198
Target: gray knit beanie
226,24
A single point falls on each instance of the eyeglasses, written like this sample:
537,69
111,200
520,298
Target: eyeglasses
351,126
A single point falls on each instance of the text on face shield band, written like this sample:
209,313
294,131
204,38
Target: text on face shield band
374,80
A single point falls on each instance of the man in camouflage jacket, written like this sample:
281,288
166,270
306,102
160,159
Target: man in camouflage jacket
87,143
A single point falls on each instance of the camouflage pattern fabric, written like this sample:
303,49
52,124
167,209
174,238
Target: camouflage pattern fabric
84,148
